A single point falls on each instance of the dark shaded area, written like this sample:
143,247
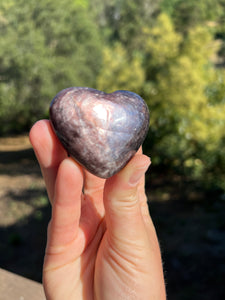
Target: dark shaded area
189,223
9,157
192,238
22,245
18,162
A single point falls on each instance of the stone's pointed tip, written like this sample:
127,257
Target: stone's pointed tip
101,131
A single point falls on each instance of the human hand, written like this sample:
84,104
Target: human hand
101,240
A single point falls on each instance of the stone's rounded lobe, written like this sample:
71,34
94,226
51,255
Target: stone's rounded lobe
101,131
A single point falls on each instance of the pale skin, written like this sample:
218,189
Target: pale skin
101,240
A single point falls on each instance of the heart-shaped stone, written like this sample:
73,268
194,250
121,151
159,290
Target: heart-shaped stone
101,131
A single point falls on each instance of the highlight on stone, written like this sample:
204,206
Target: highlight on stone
100,131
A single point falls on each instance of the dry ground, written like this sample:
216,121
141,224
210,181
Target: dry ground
190,225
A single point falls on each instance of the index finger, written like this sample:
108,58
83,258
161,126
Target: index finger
49,152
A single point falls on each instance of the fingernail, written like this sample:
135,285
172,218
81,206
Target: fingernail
138,173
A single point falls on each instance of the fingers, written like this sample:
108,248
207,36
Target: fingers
122,199
93,184
66,209
49,152
93,190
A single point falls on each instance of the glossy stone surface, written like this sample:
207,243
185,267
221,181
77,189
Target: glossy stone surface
101,131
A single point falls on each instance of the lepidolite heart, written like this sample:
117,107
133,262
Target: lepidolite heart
101,131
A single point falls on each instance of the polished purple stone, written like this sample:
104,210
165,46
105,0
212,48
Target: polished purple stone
101,131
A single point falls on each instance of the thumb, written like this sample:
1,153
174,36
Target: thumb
122,199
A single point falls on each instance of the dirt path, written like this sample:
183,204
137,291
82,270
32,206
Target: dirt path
19,178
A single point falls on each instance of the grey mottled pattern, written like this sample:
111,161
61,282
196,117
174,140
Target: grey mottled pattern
101,131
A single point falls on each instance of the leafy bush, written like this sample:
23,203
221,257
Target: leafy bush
44,48
162,50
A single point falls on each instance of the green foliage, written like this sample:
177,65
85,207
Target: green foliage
188,14
116,73
121,20
161,42
164,50
187,127
43,49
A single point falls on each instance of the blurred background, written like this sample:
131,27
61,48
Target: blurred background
172,53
